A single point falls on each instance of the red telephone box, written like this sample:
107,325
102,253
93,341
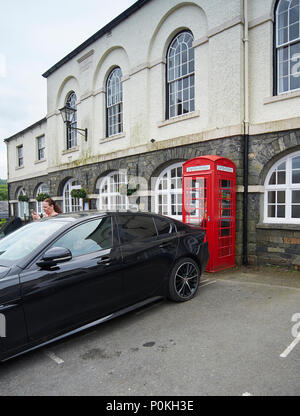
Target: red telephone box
209,191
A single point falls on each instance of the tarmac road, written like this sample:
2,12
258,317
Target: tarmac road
226,341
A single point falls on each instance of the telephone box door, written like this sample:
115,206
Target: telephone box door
209,190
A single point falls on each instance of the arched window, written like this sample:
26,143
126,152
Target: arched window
288,45
282,191
42,189
180,76
114,103
113,191
168,192
23,206
72,132
71,204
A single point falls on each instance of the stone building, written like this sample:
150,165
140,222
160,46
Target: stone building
164,82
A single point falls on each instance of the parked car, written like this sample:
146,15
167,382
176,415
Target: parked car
12,224
63,274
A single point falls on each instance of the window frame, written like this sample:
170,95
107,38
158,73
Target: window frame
114,80
20,158
176,81
288,187
23,206
106,181
75,227
71,204
169,192
42,188
41,149
71,125
279,46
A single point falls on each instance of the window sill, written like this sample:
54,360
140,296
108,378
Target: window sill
39,161
114,137
278,226
19,167
67,151
282,97
173,120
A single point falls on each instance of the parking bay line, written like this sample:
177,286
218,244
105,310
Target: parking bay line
205,284
54,357
290,347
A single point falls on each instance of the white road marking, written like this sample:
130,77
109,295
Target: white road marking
246,394
54,357
290,347
209,283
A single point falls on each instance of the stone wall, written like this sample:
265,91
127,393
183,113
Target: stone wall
266,243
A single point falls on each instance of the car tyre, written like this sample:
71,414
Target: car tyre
184,280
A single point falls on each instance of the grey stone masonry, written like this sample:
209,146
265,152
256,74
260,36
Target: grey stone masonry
265,243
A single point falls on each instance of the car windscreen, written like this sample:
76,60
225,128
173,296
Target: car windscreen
26,239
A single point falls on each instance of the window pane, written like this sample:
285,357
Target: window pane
296,211
294,14
281,178
282,20
163,226
296,162
281,211
271,197
134,228
272,180
87,238
296,197
283,5
293,31
281,197
296,176
271,211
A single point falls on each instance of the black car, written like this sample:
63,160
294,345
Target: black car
66,273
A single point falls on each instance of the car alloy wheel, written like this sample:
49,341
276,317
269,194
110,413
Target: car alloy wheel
184,280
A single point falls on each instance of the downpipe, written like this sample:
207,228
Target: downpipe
246,135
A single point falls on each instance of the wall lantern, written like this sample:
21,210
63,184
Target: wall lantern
68,114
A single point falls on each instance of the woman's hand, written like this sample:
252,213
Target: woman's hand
35,216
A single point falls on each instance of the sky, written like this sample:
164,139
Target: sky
35,35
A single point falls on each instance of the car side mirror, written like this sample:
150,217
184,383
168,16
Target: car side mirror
53,256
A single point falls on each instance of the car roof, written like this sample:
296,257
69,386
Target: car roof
82,215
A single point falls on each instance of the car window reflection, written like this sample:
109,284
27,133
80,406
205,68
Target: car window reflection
88,237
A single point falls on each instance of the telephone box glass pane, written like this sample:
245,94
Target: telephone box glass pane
226,218
196,201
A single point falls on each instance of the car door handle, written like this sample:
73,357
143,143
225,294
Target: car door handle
104,260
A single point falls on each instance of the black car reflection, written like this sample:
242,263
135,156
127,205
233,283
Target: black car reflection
66,273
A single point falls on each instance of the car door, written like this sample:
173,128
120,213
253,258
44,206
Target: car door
78,291
146,257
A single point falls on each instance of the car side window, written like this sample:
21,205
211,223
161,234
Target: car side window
164,226
136,227
87,238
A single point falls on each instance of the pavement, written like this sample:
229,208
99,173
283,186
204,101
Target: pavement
272,275
235,338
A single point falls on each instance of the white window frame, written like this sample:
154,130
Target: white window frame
114,103
20,157
40,141
291,65
42,188
111,197
179,94
23,206
71,131
71,204
168,192
288,187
